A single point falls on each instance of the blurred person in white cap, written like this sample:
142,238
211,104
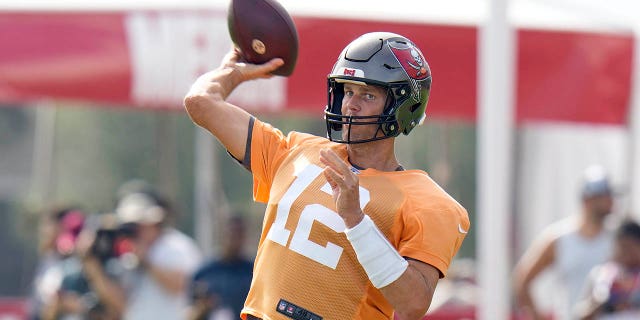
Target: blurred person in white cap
570,247
161,260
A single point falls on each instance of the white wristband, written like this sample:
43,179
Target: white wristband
380,260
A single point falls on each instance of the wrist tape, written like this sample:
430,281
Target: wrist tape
380,260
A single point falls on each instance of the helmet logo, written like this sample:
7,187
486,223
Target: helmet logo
412,61
350,72
419,66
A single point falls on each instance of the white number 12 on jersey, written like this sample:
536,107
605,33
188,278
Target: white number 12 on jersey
328,255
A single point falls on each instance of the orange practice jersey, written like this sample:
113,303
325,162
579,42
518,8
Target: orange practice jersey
304,257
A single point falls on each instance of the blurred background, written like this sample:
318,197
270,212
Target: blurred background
90,97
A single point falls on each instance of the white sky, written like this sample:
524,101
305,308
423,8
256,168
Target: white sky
581,14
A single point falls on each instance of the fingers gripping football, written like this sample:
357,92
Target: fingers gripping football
345,186
248,71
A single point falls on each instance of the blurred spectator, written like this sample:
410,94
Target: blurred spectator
572,247
57,234
157,266
220,287
613,289
76,298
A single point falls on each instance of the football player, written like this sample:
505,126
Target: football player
349,233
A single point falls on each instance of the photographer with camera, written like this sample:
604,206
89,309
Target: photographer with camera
55,296
73,297
157,260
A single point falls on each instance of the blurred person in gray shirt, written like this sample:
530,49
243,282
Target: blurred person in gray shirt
571,247
157,263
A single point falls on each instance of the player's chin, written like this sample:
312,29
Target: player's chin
357,133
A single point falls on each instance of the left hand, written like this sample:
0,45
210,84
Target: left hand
345,185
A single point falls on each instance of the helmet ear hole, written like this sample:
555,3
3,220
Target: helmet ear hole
414,107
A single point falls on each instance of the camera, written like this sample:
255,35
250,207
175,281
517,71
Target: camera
113,240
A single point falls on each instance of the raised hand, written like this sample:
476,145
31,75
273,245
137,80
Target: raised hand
345,185
233,59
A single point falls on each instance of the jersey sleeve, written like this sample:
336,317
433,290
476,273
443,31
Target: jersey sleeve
269,147
433,231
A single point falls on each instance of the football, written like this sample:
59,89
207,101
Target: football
263,30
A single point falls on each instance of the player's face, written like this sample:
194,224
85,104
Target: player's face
362,100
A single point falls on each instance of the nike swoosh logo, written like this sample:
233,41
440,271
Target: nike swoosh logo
461,230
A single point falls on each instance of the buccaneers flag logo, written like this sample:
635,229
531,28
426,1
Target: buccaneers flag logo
411,60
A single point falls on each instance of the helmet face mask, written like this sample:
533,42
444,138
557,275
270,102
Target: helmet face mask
389,61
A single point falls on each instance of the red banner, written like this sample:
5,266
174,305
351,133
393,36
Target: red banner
67,56
571,76
148,59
